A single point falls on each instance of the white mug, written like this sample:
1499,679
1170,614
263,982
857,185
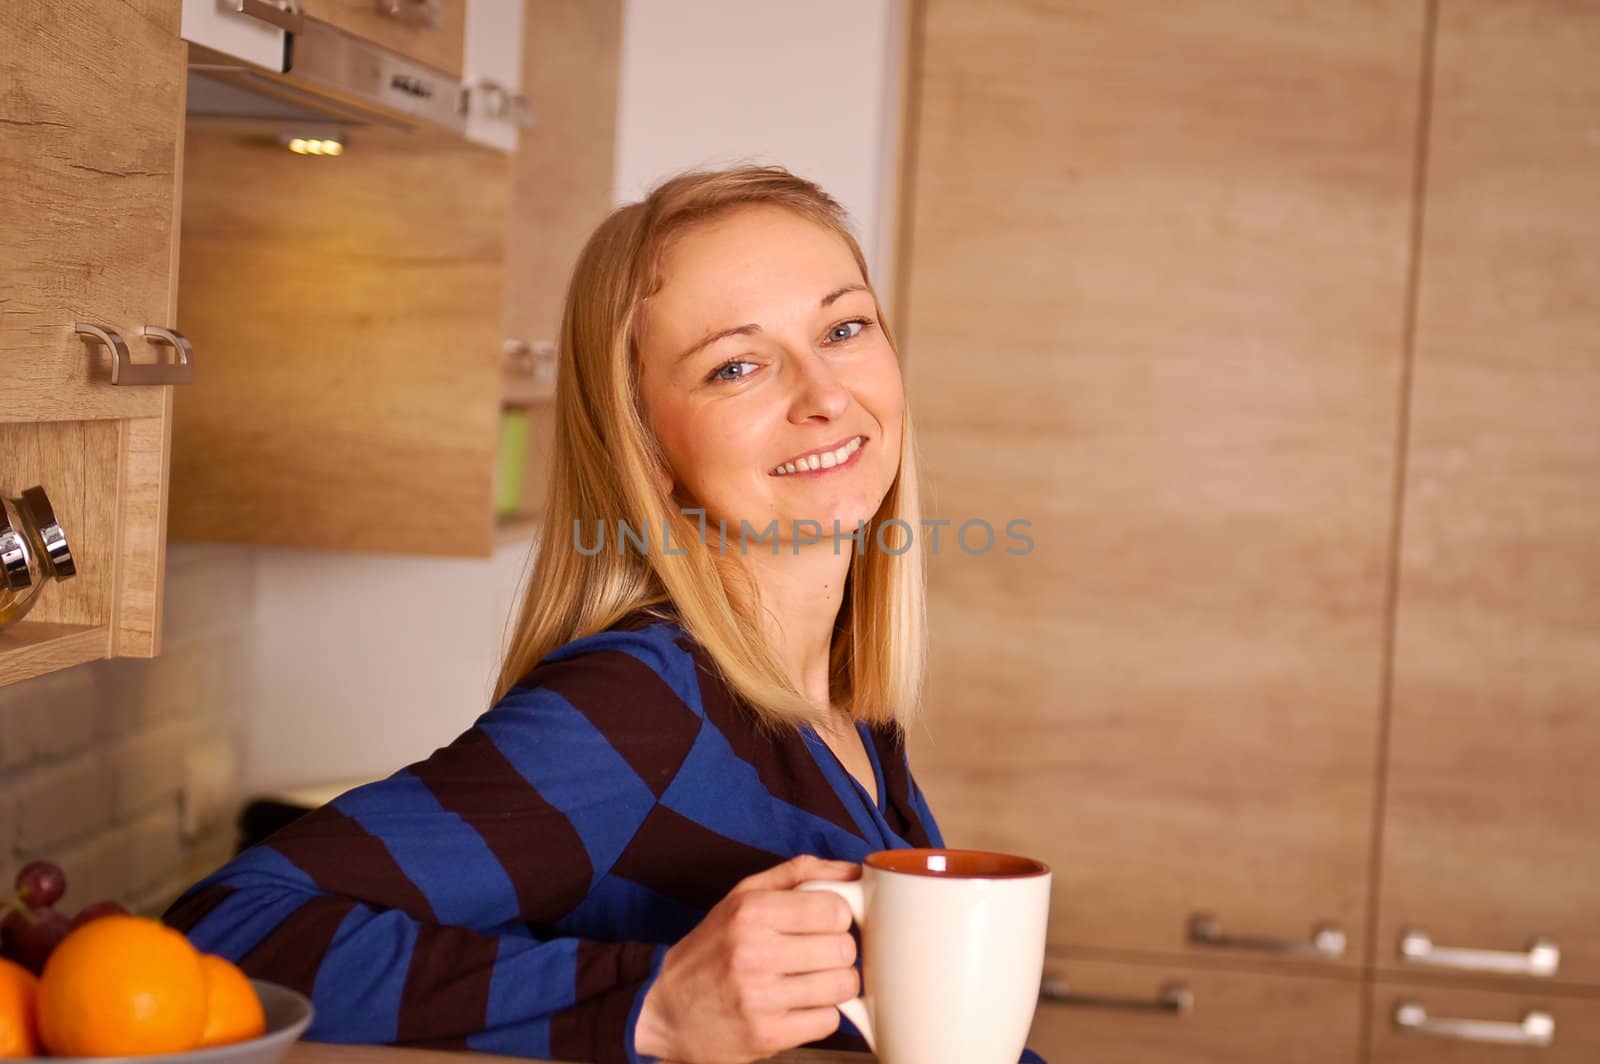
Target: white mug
952,950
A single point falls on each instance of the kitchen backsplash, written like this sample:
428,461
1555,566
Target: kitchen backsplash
125,772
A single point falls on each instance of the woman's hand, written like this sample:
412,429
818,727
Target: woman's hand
760,974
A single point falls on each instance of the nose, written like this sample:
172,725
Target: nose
818,392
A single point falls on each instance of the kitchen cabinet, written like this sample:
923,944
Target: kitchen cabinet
88,236
1492,795
1302,416
561,189
1124,1011
1421,1022
430,31
1164,325
373,314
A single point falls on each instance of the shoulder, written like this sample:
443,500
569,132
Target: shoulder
643,662
628,698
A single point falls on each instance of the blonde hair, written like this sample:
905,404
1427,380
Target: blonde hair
607,467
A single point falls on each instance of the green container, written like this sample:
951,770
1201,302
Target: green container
511,463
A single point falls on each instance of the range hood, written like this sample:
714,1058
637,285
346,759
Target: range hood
254,62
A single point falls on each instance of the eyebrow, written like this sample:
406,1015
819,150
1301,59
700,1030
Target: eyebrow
751,329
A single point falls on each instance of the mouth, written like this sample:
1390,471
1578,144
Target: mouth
823,459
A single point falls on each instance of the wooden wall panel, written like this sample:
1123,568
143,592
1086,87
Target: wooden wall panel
1158,277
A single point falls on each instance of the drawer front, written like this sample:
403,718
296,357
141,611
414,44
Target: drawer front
1423,1023
430,31
1127,1012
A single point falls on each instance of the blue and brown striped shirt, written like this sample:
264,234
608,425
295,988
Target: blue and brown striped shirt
515,892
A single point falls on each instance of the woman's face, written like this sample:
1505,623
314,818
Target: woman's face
761,353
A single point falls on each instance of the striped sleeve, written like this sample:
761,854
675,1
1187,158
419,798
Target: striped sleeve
421,910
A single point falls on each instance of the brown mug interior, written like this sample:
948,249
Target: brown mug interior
956,864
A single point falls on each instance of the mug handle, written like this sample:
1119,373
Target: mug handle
855,1010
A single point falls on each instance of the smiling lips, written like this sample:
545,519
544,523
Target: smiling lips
817,461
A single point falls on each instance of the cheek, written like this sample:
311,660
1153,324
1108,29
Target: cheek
710,450
882,393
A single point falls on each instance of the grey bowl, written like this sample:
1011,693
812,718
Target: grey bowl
288,1015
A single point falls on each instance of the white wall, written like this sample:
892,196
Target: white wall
367,662
810,86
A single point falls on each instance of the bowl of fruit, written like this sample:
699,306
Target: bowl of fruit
107,985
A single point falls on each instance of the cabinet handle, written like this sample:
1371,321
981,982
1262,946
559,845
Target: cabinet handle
1542,957
499,104
1327,940
425,13
1535,1029
124,371
286,17
537,360
1175,998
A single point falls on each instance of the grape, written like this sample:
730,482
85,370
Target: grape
97,910
40,884
29,944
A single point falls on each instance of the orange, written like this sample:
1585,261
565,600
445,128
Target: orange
19,1034
233,1011
122,986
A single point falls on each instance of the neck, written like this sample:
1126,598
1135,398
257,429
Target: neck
800,598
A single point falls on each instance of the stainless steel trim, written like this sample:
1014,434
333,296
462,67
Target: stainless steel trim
45,541
1541,958
14,574
287,17
324,55
112,340
180,372
428,13
1174,998
1327,940
52,537
1535,1029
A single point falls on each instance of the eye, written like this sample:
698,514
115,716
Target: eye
722,372
848,330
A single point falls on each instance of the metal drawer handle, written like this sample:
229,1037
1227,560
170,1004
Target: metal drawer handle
426,13
537,360
124,371
1535,1029
1175,998
1327,940
498,103
285,17
1542,957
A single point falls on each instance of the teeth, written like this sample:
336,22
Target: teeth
820,461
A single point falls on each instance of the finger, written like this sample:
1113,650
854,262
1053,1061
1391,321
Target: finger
819,989
793,912
797,870
800,954
799,1026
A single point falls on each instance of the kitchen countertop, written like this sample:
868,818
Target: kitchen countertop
327,1053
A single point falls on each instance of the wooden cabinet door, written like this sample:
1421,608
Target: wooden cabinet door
1489,837
351,308
1155,305
1126,1012
91,133
1424,1023
88,207
432,32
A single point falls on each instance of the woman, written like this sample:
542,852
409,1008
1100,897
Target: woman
702,702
